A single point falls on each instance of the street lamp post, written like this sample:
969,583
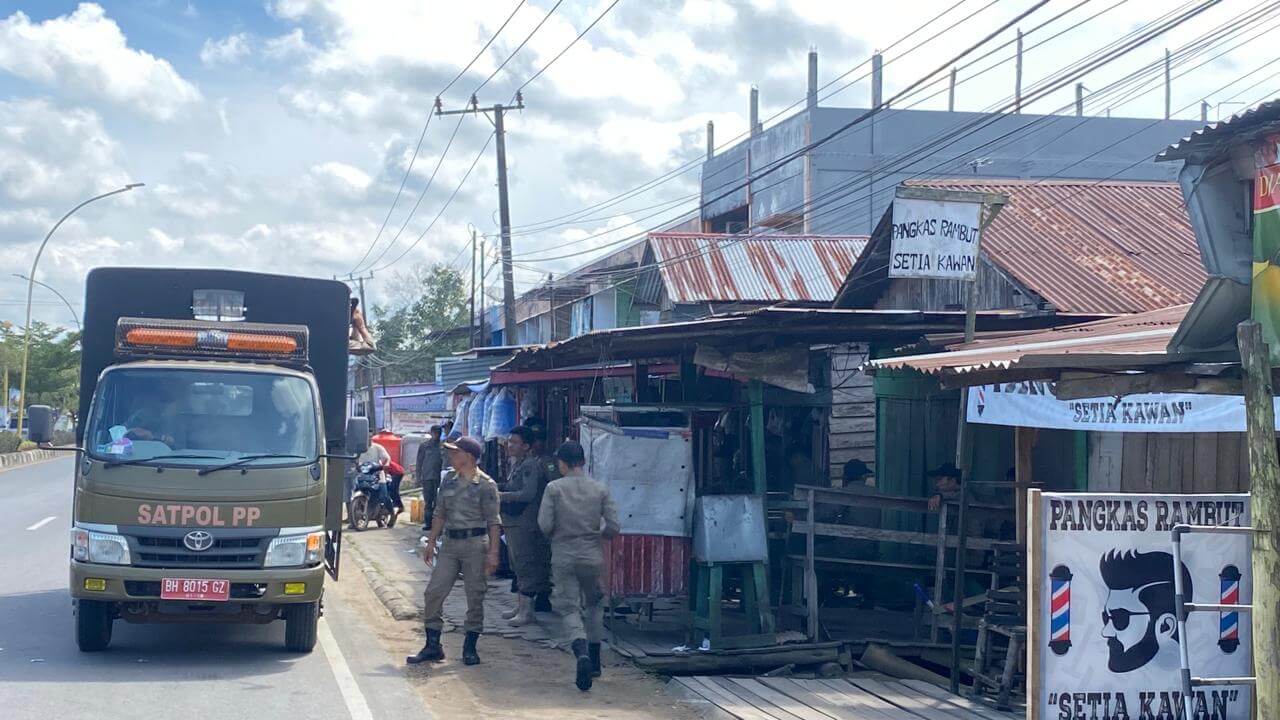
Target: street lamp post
31,286
54,290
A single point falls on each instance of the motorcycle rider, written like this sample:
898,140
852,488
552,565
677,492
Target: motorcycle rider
378,455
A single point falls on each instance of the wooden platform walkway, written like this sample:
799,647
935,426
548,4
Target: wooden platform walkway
867,696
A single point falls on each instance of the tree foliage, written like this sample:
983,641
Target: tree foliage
428,317
53,363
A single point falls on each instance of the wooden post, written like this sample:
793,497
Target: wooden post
810,573
1024,439
1264,506
755,396
957,599
939,573
1035,597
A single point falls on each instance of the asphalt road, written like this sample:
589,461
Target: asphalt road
166,671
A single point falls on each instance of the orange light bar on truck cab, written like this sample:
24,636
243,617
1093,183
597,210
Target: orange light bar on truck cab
281,344
211,339
159,337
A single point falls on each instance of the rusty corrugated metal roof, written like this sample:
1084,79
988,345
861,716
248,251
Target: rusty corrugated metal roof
703,267
1132,335
1107,247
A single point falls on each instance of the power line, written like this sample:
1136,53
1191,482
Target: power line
519,47
1104,55
417,148
553,60
447,202
648,185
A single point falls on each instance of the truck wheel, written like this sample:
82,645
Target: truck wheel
93,625
300,626
359,513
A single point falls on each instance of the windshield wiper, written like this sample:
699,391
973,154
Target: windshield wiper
144,461
245,459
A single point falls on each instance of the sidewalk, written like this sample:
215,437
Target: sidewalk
399,578
526,672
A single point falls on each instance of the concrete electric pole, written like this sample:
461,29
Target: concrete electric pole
1264,510
495,114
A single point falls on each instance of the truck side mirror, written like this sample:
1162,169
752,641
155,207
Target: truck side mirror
40,424
357,435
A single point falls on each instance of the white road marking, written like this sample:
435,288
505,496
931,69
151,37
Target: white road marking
351,694
43,522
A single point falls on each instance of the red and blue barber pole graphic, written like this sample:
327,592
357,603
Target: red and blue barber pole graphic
1229,622
1060,610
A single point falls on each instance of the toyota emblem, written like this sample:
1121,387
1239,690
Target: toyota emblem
198,541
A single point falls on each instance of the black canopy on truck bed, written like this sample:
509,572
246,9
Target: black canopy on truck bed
320,305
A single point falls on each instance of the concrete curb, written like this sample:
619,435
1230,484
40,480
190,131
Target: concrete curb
400,607
26,457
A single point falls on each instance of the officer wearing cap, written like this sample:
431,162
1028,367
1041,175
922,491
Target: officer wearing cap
466,513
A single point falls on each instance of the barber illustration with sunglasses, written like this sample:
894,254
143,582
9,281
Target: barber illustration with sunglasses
1139,618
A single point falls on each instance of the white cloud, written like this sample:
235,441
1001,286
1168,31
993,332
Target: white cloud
86,54
227,51
52,155
290,45
341,179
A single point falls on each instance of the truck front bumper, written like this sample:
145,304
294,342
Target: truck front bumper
124,583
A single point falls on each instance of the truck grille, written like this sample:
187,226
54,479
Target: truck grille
164,548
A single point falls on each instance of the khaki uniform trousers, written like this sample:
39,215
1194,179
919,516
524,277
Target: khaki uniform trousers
465,555
530,557
577,597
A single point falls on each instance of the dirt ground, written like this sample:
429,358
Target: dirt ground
516,678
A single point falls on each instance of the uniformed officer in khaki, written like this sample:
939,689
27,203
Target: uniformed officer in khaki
467,515
577,514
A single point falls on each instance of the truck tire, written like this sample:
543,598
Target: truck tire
300,626
93,625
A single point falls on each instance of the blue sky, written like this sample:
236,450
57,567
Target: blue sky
273,134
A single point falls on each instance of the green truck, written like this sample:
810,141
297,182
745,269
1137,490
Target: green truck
211,450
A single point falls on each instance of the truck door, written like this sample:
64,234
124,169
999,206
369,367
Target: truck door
335,497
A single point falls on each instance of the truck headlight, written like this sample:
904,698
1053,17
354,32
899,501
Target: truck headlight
99,547
295,550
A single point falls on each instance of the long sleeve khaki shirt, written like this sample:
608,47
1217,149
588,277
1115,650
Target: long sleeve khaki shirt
577,511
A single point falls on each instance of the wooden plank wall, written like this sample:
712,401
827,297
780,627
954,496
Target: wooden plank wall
995,291
852,432
1170,462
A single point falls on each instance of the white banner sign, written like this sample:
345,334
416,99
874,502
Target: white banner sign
405,422
1108,639
649,472
1033,404
934,239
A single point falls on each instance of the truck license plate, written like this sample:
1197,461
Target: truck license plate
195,589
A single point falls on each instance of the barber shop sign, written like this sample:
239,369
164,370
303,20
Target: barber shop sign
1103,638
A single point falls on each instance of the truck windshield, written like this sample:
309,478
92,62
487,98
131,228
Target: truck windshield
206,418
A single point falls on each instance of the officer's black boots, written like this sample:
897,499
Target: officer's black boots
431,652
593,652
469,655
582,677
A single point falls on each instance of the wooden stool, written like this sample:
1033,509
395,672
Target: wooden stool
706,593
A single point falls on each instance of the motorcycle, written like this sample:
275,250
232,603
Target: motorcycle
364,505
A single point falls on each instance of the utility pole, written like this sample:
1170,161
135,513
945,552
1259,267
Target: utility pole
1017,77
471,331
1080,99
504,212
484,342
951,92
1264,510
1168,86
